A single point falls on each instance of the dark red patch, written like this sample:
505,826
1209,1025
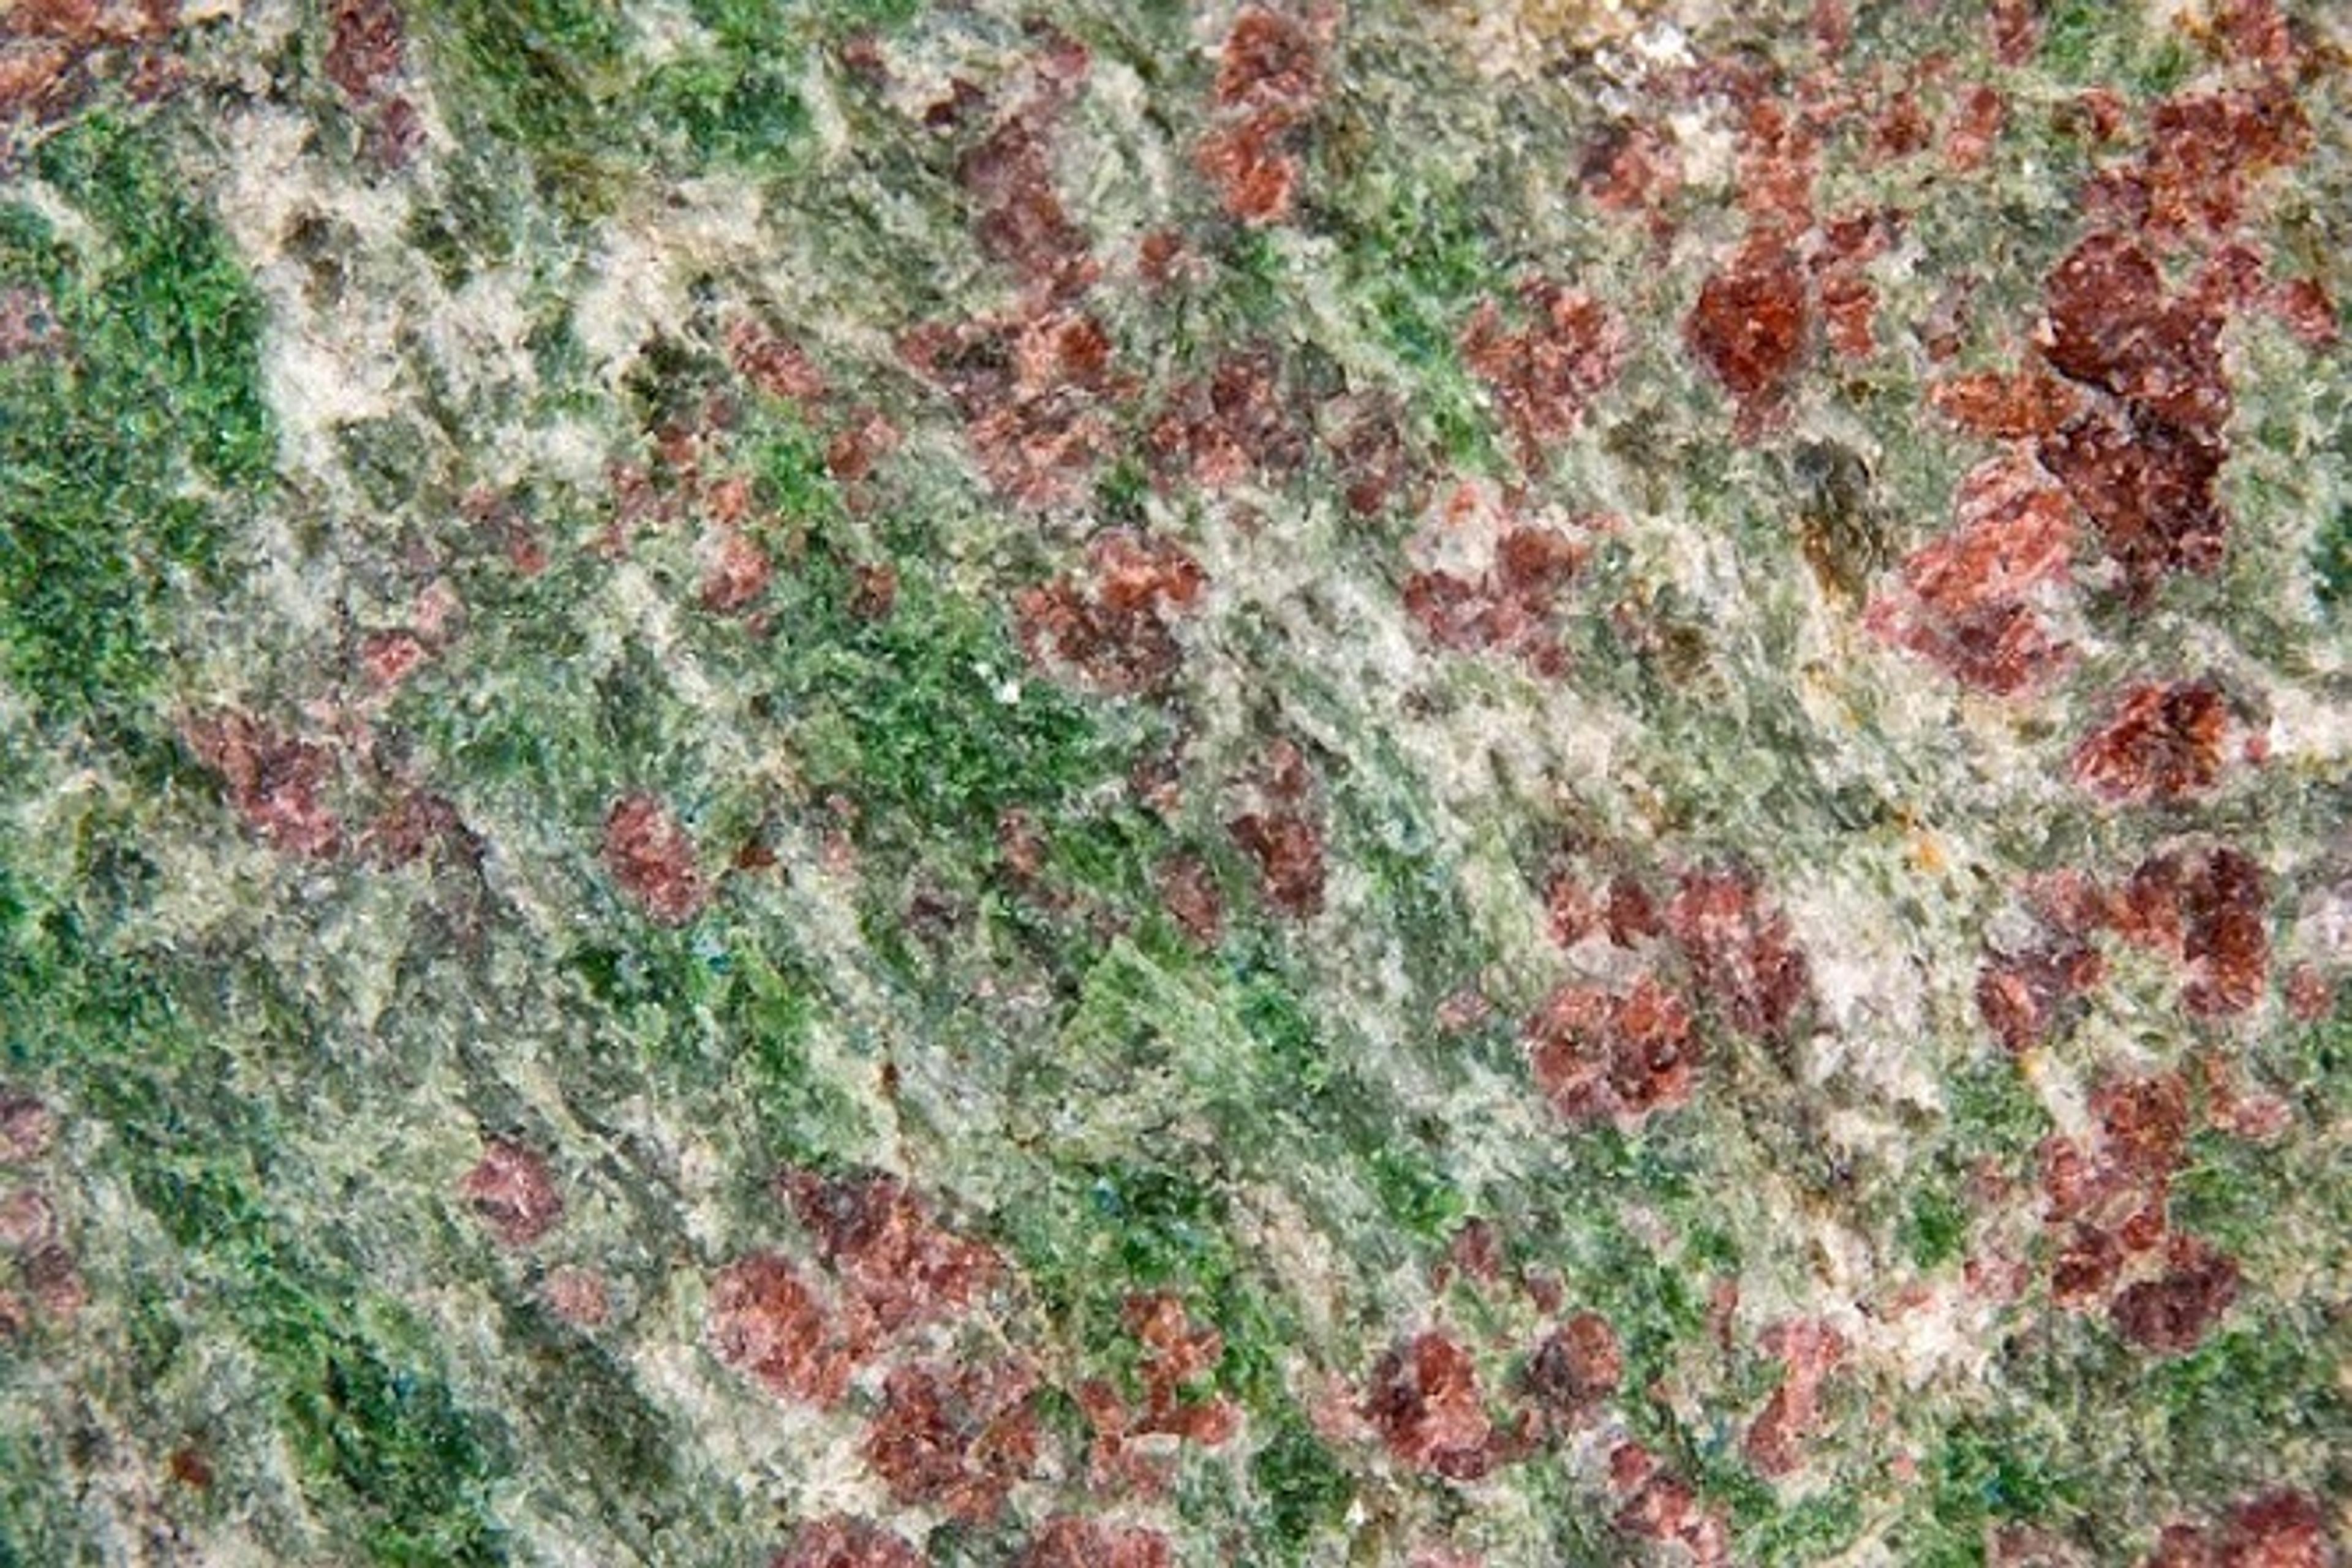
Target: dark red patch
2310,997
2210,911
853,451
736,573
2169,1315
1512,607
1974,129
2204,149
1575,1371
2303,304
1545,376
1809,1350
1600,1054
1089,1543
650,856
2021,405
2015,29
1743,957
1634,167
1021,221
2150,488
1285,837
1268,79
1966,599
773,363
1748,326
1661,1506
1030,390
28,1221
898,1263
840,1542
956,1438
1118,632
2029,999
1187,891
2162,742
513,1191
27,1128
2109,322
768,1324
1268,61
1424,1402
416,825
1252,165
1230,425
367,47
276,783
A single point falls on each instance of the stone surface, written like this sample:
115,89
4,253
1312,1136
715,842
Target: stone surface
851,783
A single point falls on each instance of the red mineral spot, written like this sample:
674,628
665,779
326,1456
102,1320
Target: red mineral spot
2109,322
1284,837
366,48
1267,60
190,1468
2161,742
2303,304
650,856
1512,607
1598,1054
1424,1402
2205,149
1974,129
411,827
1021,222
1187,891
2026,999
1117,632
27,1127
1545,376
2149,486
1661,1506
902,1266
736,574
1230,425
955,1439
1268,79
276,783
843,1542
1748,326
1029,390
391,657
28,1221
2310,997
578,1297
1966,599
514,1192
772,362
56,1283
1742,954
765,1322
1809,1350
2011,406
2170,1314
1088,1543
1249,163
2210,911
1575,1371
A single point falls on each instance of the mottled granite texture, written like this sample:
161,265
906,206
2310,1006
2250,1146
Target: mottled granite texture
1097,783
